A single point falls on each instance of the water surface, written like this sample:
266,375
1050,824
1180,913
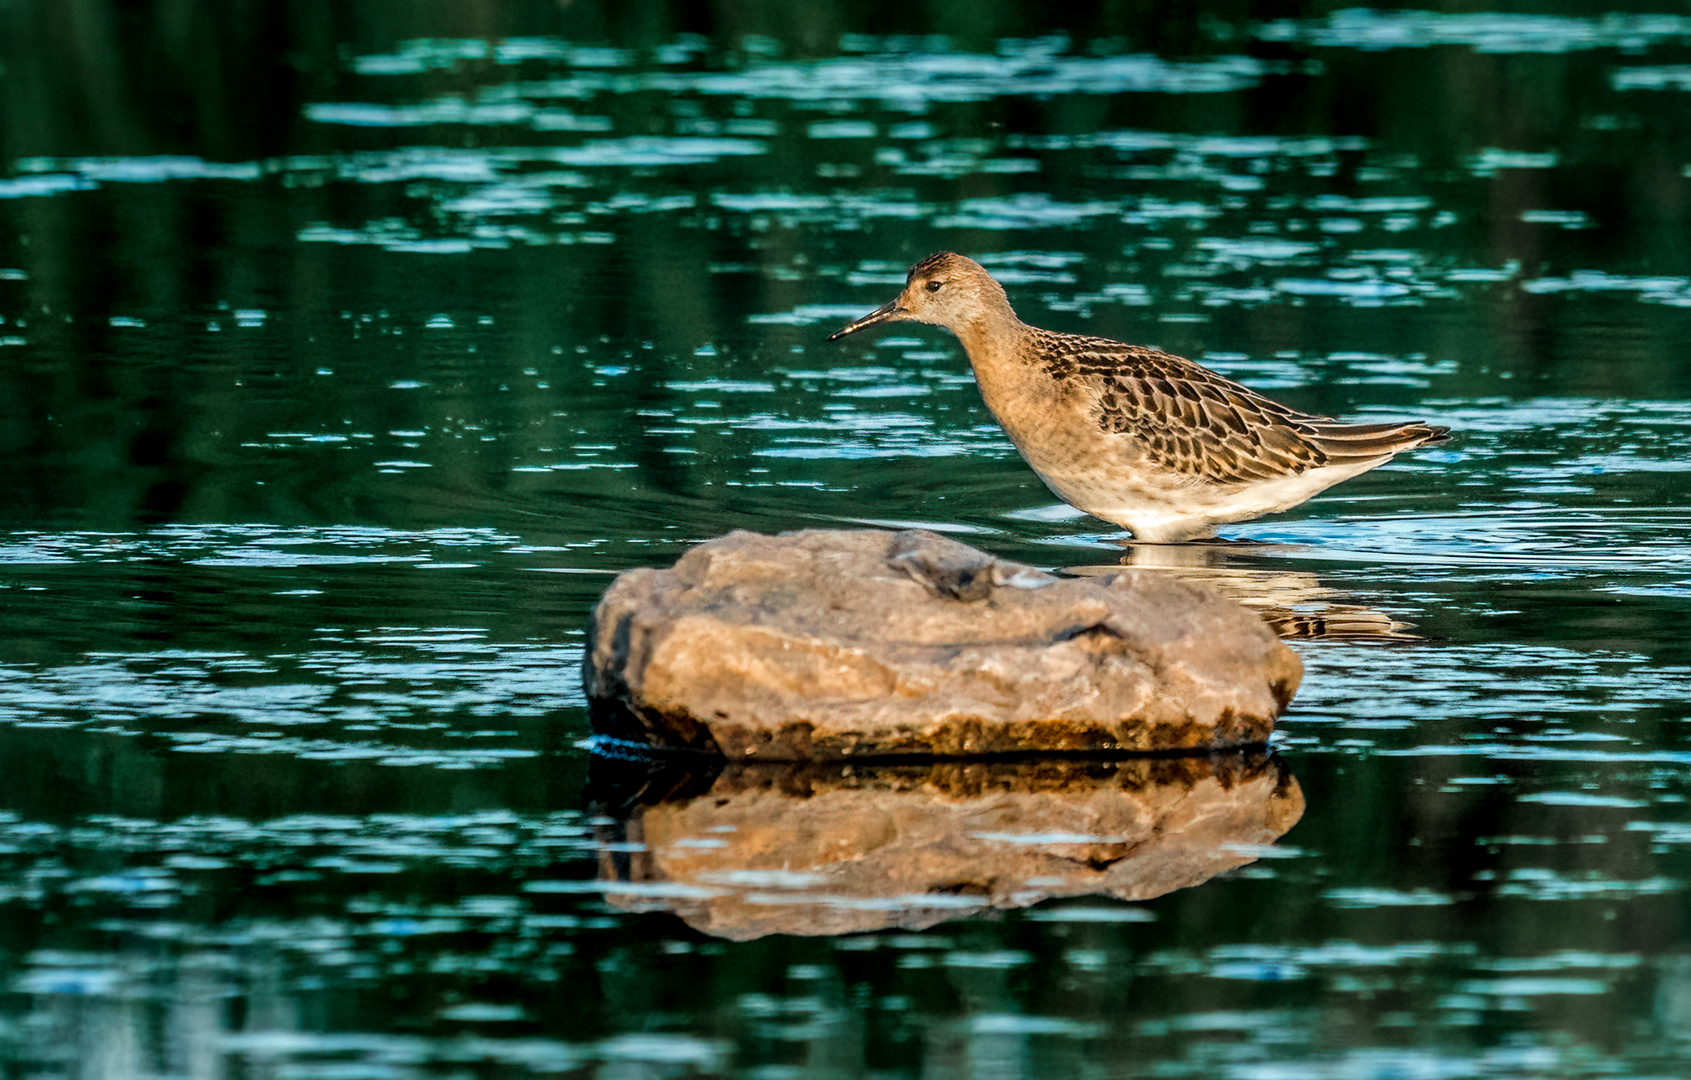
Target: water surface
342,364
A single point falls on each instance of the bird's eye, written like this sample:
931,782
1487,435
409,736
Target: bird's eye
933,286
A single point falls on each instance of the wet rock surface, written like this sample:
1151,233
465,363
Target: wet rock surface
838,848
840,644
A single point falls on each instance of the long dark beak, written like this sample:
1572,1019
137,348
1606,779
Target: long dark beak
887,312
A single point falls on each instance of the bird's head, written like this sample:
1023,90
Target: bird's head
944,289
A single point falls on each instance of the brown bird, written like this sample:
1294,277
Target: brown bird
1151,441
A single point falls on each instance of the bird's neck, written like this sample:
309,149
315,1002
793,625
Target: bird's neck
992,335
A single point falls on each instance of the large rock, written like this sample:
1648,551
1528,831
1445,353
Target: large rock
836,644
839,848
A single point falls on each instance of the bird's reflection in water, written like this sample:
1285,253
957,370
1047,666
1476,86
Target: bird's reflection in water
1294,602
838,848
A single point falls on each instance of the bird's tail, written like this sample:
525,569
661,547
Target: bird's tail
1362,442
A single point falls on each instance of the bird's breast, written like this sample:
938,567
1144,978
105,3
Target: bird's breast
1057,426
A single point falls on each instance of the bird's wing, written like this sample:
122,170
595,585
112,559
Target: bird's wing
1183,416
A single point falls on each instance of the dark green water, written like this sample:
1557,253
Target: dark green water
346,354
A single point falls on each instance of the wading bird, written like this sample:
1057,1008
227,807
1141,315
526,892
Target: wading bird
1151,441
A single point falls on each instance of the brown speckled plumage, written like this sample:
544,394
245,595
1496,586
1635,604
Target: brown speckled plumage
1135,435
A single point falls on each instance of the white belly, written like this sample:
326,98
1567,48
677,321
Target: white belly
1160,507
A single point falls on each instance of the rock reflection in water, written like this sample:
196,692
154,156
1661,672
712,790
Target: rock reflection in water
1293,602
813,850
